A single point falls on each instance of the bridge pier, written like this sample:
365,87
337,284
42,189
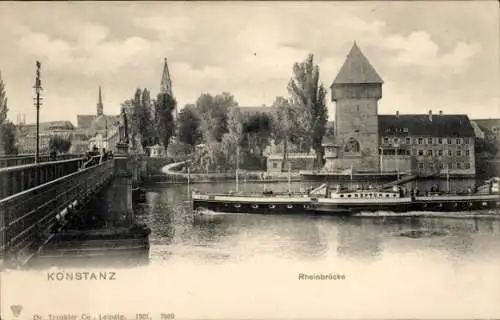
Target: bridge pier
120,211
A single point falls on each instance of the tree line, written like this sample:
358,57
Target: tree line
297,122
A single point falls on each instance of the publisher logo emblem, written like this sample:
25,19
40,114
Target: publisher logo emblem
16,310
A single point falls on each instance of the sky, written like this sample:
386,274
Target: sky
431,55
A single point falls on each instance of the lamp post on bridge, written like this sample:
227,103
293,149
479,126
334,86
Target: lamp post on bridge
38,89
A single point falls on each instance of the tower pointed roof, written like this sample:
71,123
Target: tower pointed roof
100,96
357,69
166,82
100,106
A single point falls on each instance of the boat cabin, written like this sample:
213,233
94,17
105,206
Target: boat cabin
340,193
365,194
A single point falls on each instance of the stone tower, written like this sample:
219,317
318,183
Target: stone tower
356,91
100,106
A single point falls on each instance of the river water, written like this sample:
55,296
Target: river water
237,266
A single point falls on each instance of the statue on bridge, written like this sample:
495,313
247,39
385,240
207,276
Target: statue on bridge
123,127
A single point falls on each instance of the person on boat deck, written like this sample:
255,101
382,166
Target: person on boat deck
370,187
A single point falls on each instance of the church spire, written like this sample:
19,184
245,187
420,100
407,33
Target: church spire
100,106
166,82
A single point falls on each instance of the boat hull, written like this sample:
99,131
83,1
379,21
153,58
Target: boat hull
333,207
253,207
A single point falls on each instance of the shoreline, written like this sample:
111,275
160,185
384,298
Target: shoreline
169,175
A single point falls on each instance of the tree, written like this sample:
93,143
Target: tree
59,144
145,120
279,119
232,139
165,105
330,129
256,132
3,102
308,100
213,112
189,126
8,138
7,129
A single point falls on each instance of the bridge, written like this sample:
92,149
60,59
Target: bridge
41,201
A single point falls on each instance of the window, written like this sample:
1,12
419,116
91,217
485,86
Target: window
451,165
459,165
466,141
431,165
466,165
467,152
459,153
448,141
275,165
440,152
352,145
420,140
357,108
458,141
440,140
420,152
420,165
450,153
405,129
408,140
429,152
386,140
429,140
441,165
396,140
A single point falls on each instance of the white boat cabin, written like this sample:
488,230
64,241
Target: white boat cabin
365,194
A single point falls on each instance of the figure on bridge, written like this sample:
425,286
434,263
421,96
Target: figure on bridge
123,127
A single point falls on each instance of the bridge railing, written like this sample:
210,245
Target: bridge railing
25,214
12,161
19,178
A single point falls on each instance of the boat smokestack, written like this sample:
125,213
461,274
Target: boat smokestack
397,114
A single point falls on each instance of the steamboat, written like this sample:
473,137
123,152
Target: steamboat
338,200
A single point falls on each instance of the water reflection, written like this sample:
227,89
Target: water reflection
359,238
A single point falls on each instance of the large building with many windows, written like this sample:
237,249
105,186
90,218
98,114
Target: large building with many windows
427,144
424,144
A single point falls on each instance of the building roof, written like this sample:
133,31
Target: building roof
100,122
457,125
85,120
477,130
357,69
47,126
487,124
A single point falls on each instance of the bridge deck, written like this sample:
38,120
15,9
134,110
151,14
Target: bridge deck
26,216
